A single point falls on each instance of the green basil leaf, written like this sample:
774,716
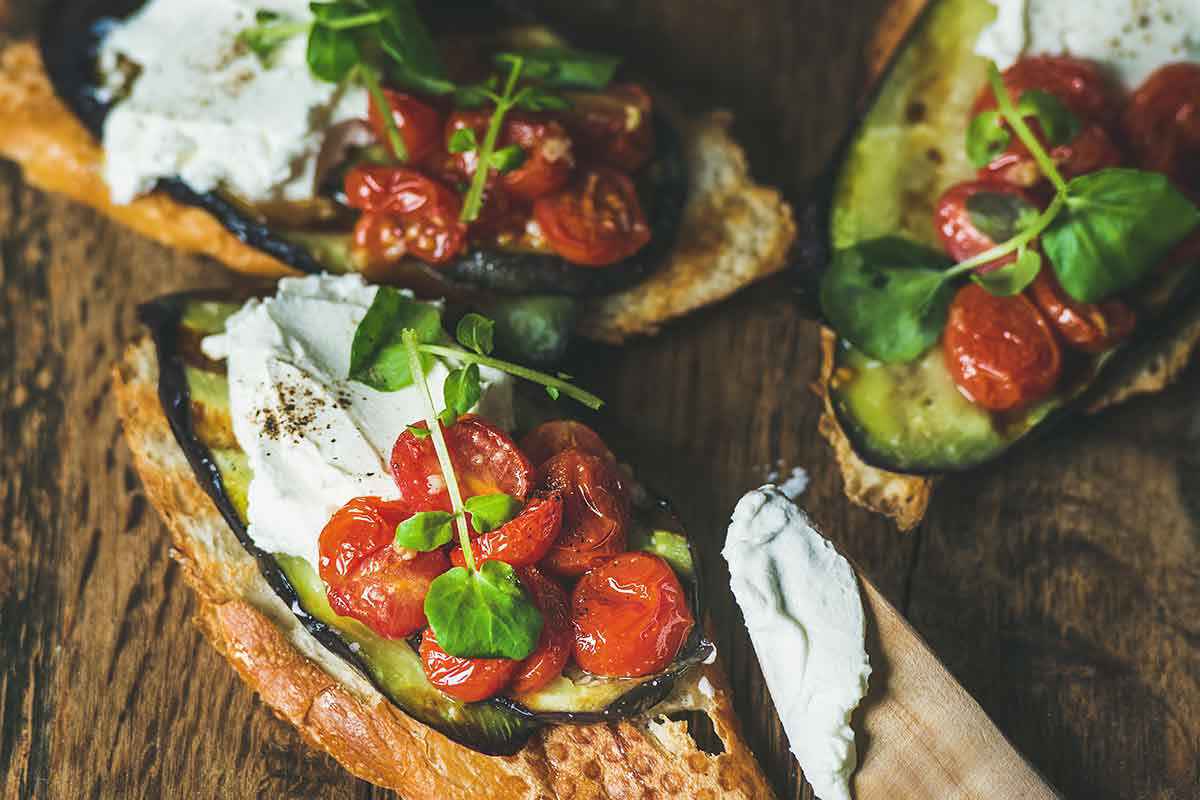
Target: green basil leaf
564,66
888,297
419,431
1057,122
425,530
484,614
377,356
271,31
534,98
490,511
462,141
1117,225
331,54
448,417
1000,216
404,37
476,332
506,159
462,389
1011,278
987,137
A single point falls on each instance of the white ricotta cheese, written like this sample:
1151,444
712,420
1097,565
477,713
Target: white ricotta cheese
314,439
204,108
1132,38
805,617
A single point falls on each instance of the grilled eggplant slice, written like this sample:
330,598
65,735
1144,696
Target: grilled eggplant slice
907,149
70,42
195,396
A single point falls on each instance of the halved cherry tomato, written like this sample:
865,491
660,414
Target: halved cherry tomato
368,579
421,209
1162,122
960,237
554,645
1091,327
502,217
485,459
630,616
551,438
379,237
1000,350
614,127
595,221
547,147
420,125
466,679
595,511
522,541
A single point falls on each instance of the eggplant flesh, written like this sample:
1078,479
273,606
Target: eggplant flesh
906,150
70,39
194,396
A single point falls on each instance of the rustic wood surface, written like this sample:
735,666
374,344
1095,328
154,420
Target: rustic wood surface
1062,587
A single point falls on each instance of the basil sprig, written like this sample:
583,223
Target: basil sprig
1102,233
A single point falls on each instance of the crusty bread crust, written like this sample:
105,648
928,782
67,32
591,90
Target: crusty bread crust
337,710
734,232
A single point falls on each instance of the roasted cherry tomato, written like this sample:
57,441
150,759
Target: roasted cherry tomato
522,541
545,142
379,237
502,218
551,438
368,579
466,679
614,127
486,461
1162,122
1091,327
1092,149
424,211
419,123
630,616
1080,85
960,237
1000,350
597,220
595,511
554,645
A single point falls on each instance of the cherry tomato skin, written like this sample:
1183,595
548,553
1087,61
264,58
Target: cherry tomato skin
395,190
1162,122
502,217
548,156
379,237
1091,327
551,438
557,639
595,511
1000,350
367,579
522,541
419,209
630,616
614,127
960,238
420,125
485,460
596,220
1079,84
467,679
1092,149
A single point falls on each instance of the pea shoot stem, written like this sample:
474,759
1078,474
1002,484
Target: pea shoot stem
371,80
1040,223
409,338
1013,117
356,21
473,203
569,389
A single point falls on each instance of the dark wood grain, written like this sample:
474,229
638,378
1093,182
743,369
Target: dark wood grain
1062,587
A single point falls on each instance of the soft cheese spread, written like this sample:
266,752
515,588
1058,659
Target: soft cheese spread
203,107
313,438
802,607
1131,38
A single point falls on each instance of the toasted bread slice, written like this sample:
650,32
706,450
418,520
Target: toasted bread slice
733,233
337,710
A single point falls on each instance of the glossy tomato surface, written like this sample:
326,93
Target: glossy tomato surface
1092,149
551,438
368,579
547,148
466,679
1091,327
596,220
523,540
554,645
402,204
419,123
595,511
485,459
1000,351
1162,122
630,616
614,127
960,237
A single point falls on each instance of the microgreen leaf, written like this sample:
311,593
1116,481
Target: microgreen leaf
462,141
565,67
534,98
506,159
462,390
1057,122
377,355
269,33
553,392
473,202
1117,226
418,431
490,511
403,36
448,417
483,614
986,138
1000,215
570,390
331,53
476,332
1012,278
425,530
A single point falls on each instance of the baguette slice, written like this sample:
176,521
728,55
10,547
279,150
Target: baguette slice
337,710
734,232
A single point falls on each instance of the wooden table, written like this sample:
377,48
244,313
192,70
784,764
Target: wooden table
1062,587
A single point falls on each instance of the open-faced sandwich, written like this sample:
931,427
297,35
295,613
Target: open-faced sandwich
452,597
1012,226
281,136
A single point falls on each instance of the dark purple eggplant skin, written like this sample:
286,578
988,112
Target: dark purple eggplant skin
69,39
